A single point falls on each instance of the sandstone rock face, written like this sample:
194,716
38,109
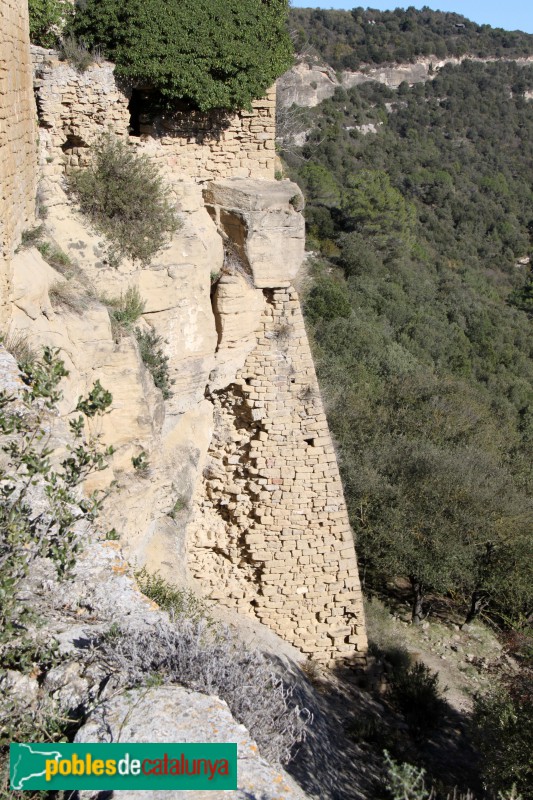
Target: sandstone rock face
265,227
18,174
175,714
308,84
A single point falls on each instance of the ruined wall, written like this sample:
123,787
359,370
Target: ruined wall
17,137
272,536
75,108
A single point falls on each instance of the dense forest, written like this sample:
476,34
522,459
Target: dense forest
348,40
419,306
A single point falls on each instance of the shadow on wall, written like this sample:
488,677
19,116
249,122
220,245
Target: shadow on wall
182,121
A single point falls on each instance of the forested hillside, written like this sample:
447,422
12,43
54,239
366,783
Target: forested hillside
348,40
420,307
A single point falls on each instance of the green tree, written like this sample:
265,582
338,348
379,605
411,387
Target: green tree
209,53
47,19
25,433
372,206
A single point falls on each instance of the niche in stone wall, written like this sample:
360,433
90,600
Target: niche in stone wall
150,116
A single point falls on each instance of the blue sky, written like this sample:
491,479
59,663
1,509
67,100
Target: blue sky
513,15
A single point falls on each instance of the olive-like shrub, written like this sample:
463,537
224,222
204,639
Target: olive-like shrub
124,196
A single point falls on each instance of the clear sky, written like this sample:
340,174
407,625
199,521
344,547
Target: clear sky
511,15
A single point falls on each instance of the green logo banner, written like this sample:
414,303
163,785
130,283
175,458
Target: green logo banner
106,767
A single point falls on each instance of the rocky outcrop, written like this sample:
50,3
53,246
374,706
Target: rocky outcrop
242,495
308,83
175,714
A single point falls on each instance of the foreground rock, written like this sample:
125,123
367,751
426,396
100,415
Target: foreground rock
175,714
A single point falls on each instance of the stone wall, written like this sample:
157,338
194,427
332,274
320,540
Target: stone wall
17,138
272,536
74,108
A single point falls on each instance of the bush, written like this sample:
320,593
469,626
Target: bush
76,54
210,53
18,344
327,300
67,295
503,733
209,659
51,532
124,311
179,602
125,198
57,259
47,19
415,693
155,360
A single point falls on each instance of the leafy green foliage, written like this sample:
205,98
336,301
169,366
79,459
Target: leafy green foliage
47,19
28,463
209,53
503,729
429,378
124,196
415,693
155,360
179,602
349,39
327,300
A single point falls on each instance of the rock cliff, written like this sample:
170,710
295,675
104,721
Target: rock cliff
309,82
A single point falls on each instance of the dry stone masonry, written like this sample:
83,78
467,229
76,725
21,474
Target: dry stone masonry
75,108
273,537
17,138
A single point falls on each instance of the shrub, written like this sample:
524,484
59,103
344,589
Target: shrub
124,311
503,733
179,602
57,259
123,195
211,660
76,54
327,300
18,344
25,437
141,465
210,53
415,693
67,295
47,19
155,360
31,237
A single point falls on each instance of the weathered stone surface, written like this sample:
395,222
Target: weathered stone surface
175,714
306,84
18,162
264,224
237,306
75,108
270,534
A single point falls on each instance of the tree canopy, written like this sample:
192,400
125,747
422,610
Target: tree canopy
420,314
208,53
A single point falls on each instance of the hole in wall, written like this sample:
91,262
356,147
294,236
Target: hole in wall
73,141
310,442
135,107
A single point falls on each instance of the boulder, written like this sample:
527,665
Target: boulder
176,714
